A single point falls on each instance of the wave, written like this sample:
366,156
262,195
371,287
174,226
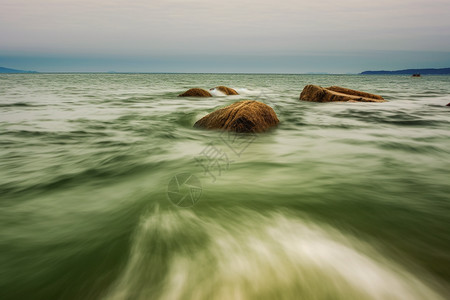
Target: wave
248,255
216,93
18,104
248,92
394,118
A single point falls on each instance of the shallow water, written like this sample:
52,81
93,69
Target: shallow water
340,201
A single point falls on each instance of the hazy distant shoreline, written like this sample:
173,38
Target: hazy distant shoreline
426,71
4,70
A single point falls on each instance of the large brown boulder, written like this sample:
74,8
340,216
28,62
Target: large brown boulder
195,92
226,90
317,93
242,116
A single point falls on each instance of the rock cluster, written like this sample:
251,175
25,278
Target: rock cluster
254,116
197,92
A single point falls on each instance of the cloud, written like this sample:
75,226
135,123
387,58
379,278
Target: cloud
233,27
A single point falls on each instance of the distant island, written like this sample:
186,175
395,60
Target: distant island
14,71
443,71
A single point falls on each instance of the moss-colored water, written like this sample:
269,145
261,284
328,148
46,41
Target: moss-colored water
340,201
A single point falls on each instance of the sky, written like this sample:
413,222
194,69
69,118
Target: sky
249,36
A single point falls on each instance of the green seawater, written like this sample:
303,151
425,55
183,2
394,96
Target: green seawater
340,201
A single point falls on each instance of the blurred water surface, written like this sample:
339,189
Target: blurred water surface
340,201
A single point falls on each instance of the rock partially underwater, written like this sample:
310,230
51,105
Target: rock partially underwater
226,90
242,116
317,93
195,92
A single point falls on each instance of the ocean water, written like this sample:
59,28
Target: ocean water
108,192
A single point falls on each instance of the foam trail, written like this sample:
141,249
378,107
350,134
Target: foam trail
248,92
216,93
179,255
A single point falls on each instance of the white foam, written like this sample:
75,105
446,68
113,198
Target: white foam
245,91
257,257
216,93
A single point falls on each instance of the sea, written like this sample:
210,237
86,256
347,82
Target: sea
108,192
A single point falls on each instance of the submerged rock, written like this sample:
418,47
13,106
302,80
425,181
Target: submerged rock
195,92
317,93
242,116
226,90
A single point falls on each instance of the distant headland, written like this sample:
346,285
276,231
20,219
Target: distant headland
14,71
443,71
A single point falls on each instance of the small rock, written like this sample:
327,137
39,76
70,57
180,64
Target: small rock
195,92
317,93
242,116
226,90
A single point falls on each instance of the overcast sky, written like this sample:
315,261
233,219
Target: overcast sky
292,36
